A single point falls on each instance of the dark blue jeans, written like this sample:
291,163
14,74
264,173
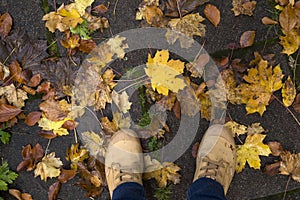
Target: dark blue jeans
202,189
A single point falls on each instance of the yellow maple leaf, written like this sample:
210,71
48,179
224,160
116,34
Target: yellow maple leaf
81,5
75,155
262,81
288,92
250,151
236,128
161,172
163,73
71,17
55,126
290,42
49,167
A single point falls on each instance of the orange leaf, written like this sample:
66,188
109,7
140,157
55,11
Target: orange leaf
35,80
268,21
86,46
16,72
66,175
212,13
8,112
5,24
247,39
52,110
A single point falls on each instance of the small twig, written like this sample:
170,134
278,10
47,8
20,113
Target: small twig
94,116
9,55
115,7
295,67
178,8
295,118
131,85
75,136
286,187
131,80
47,148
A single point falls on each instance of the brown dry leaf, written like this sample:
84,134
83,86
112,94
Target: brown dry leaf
54,190
70,125
14,96
288,92
49,167
268,21
47,134
213,14
75,155
19,195
108,126
245,7
276,148
173,7
290,165
101,9
272,169
5,24
8,112
150,11
31,156
288,18
66,175
247,39
96,23
32,118
195,149
86,46
296,104
197,66
35,80
71,42
52,110
161,172
177,109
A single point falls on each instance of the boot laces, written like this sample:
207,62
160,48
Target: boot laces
212,167
126,174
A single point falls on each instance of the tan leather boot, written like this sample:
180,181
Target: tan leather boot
124,159
216,156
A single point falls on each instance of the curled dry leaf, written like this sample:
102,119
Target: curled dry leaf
121,101
8,112
296,104
268,21
94,143
49,167
247,39
108,126
75,155
31,156
52,110
288,92
14,96
32,118
35,80
213,14
272,169
54,190
173,7
19,195
195,149
66,175
275,148
5,24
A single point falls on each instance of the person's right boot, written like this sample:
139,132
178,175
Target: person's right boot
217,156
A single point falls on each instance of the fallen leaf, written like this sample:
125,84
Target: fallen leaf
163,73
245,7
195,149
55,126
66,175
288,18
8,112
290,42
247,39
86,46
150,11
35,80
70,125
108,126
54,190
101,8
49,167
17,74
296,104
236,128
31,156
197,66
212,13
272,169
94,143
161,172
268,21
5,24
255,128
173,7
81,5
47,134
75,155
250,151
288,92
290,165
121,101
13,95
275,148
19,195
32,118
71,42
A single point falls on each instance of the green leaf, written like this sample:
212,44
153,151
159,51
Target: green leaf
6,176
83,30
4,137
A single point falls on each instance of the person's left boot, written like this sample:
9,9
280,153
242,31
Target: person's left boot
124,160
